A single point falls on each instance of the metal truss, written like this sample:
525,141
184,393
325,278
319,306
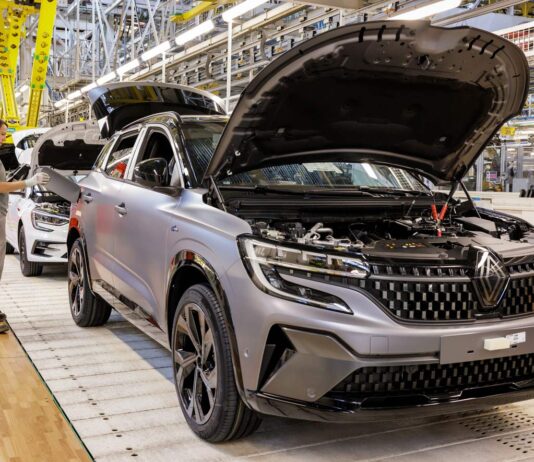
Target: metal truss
96,37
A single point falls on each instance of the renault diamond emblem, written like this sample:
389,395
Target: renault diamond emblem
491,278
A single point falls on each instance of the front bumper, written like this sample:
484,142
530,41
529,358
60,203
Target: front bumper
353,412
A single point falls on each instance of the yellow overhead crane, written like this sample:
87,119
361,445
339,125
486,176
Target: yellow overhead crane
12,23
198,9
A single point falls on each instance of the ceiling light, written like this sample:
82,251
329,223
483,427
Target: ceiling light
195,32
74,95
427,10
60,103
88,87
128,67
241,9
106,78
153,52
23,88
17,94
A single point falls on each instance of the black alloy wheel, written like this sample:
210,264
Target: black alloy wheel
204,374
76,281
196,358
87,309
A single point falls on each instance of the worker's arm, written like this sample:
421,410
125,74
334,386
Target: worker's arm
7,187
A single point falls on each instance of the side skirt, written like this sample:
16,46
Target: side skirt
133,313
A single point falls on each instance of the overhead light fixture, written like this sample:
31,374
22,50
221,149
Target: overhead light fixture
106,78
17,94
60,103
241,9
157,50
89,87
428,10
23,88
74,95
128,67
195,32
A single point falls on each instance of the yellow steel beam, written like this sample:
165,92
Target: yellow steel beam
43,42
11,27
195,11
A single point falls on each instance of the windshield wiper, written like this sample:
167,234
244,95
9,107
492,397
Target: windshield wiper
395,192
302,192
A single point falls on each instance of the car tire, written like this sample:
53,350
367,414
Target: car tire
10,250
216,412
28,268
87,309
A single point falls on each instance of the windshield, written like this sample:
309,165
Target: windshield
333,175
29,141
201,139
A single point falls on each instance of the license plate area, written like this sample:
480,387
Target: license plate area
477,346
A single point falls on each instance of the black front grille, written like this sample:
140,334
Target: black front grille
434,294
519,297
437,378
424,301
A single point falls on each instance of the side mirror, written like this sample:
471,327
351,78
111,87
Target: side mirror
152,172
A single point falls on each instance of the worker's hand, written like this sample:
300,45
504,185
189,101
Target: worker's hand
40,179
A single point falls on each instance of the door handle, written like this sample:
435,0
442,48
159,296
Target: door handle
121,209
87,198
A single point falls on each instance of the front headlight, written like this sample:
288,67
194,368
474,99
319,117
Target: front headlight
265,260
40,218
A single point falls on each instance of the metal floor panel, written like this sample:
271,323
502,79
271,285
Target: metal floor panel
115,385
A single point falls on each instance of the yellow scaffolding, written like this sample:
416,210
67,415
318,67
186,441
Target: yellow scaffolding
43,42
11,29
11,32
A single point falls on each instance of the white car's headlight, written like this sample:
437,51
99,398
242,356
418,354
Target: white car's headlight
40,218
263,260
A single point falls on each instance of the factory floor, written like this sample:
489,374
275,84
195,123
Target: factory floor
114,386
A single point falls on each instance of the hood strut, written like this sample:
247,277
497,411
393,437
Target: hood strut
213,188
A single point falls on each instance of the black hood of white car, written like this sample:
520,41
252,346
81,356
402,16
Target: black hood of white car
118,104
400,93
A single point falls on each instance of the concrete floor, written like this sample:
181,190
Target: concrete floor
115,386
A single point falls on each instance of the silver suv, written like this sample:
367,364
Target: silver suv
292,257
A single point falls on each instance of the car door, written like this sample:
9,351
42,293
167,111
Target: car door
99,197
144,224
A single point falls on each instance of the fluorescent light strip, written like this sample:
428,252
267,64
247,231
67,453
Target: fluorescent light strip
74,95
153,52
106,78
428,10
88,87
128,67
241,9
60,103
23,88
194,32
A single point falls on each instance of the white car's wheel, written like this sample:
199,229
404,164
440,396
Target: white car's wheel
28,268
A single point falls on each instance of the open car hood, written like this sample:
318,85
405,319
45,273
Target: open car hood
403,93
71,146
118,104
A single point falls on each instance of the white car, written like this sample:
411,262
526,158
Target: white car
37,219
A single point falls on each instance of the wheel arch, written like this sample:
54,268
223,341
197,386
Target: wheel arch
190,268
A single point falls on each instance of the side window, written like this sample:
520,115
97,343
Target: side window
103,154
158,146
120,157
